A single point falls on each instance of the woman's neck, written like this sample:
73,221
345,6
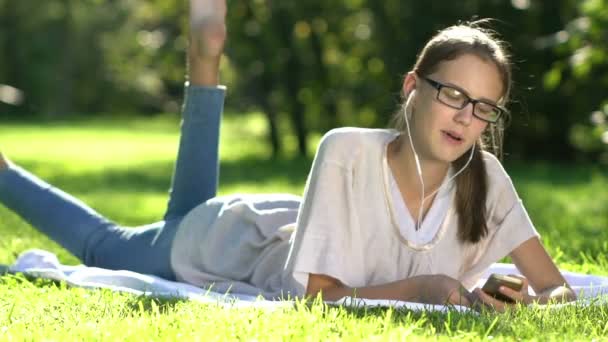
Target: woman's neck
403,165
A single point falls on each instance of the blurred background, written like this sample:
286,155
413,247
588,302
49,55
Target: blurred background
307,66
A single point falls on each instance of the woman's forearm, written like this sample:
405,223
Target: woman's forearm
428,289
403,290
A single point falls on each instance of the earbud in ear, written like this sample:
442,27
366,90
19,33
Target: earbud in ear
407,107
409,97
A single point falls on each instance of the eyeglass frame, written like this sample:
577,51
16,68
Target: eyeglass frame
438,85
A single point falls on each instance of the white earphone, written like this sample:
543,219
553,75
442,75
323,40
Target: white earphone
419,167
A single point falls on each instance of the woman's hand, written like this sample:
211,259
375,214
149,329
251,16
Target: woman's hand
441,289
482,299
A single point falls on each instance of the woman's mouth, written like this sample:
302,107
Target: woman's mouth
452,137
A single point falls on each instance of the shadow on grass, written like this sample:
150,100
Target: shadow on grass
290,171
554,173
156,176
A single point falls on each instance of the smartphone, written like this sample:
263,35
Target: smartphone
497,280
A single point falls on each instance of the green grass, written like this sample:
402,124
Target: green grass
122,168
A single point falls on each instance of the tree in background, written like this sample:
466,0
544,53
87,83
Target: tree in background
92,56
307,65
582,73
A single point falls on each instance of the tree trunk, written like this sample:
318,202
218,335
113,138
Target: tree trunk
292,73
271,116
65,78
13,65
327,100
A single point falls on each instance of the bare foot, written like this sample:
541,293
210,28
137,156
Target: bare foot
207,39
207,28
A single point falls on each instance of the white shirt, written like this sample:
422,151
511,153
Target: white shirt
346,229
432,220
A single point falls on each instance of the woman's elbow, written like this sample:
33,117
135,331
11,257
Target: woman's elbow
326,287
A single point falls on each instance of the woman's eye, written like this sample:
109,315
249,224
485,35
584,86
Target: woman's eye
484,108
453,93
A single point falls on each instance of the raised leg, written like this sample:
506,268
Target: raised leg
196,171
100,242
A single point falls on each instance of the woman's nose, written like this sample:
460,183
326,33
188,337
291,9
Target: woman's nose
465,115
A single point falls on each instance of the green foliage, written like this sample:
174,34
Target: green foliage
592,137
307,65
582,49
92,56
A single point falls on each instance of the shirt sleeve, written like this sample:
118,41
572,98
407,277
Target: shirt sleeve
511,231
322,240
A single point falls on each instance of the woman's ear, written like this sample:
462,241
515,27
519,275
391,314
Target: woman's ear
409,84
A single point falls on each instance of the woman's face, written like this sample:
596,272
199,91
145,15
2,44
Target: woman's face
442,133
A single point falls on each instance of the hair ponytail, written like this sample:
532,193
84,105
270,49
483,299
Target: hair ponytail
471,193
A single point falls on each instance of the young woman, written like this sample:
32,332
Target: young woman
415,213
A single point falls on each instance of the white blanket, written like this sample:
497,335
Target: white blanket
43,264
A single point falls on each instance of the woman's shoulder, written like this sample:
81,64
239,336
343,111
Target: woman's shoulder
494,167
352,139
501,188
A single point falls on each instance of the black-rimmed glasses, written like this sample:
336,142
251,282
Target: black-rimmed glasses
458,99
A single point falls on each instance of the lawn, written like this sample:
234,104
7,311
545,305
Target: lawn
122,168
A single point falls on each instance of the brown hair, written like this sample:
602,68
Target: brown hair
472,182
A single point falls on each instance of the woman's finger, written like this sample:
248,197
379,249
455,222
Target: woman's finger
517,296
525,292
488,300
478,304
460,296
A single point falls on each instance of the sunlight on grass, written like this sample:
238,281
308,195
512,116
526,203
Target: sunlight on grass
122,168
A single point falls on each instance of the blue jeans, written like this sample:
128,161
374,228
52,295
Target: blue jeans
99,242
